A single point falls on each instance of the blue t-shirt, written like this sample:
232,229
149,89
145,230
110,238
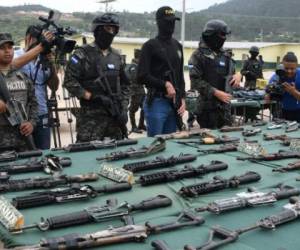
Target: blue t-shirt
288,101
40,83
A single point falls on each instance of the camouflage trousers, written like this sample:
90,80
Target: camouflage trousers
215,118
92,126
136,102
11,139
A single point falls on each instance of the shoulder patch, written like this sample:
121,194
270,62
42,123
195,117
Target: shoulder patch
74,59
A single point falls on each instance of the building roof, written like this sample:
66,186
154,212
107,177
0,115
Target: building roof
194,44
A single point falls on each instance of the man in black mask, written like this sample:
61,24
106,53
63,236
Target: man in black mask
252,69
212,74
89,67
161,70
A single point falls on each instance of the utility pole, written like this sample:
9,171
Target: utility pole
183,24
106,2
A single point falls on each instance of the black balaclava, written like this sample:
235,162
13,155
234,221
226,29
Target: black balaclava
253,55
165,28
214,41
103,38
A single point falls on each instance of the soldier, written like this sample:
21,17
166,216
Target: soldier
21,89
161,70
252,69
89,68
210,73
137,93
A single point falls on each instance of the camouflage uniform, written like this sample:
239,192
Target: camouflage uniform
252,70
137,95
208,71
94,121
21,89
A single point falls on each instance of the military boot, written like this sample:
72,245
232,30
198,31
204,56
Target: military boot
134,128
141,125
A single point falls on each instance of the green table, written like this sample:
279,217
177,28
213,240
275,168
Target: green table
284,238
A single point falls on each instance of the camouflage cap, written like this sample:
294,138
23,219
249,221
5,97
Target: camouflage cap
6,38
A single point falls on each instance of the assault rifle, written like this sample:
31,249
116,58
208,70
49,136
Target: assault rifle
283,138
226,129
99,213
220,236
111,101
67,194
218,183
202,132
13,155
44,182
251,198
282,154
290,167
186,172
209,140
159,162
94,145
129,233
156,146
50,164
16,113
221,149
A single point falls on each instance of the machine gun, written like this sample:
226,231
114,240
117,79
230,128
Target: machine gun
186,172
290,167
159,162
129,233
94,145
218,183
221,149
156,146
252,198
67,194
50,164
282,154
96,214
220,236
13,155
16,113
44,182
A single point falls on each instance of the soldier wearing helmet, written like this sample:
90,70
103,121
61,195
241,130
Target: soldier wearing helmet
252,69
88,67
212,74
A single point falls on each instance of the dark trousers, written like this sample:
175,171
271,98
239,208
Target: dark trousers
291,115
41,133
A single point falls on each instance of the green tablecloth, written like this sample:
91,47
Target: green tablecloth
283,238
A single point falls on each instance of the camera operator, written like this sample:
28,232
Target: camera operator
42,72
290,82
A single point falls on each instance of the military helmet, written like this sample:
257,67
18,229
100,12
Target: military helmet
109,19
254,49
215,26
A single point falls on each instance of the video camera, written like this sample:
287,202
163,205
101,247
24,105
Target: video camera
275,88
63,45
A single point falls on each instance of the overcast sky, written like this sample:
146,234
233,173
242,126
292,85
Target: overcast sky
119,5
